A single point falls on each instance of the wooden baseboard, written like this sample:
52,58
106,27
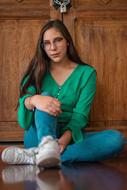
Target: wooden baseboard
122,129
17,136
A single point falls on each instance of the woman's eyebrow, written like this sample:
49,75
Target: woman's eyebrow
53,38
46,40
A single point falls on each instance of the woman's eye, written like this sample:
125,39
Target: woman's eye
58,39
46,43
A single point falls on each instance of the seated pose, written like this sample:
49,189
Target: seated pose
56,94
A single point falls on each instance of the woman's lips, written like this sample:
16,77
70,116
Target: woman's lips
55,55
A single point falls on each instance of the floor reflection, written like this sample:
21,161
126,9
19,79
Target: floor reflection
69,177
95,177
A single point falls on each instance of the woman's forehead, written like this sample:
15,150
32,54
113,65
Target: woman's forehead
51,34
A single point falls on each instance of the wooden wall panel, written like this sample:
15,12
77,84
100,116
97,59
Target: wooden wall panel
99,29
20,24
103,45
17,45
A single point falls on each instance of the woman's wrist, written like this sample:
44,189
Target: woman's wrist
31,102
28,103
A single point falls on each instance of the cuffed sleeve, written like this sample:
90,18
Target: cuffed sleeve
25,116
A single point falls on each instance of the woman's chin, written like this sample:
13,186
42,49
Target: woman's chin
56,60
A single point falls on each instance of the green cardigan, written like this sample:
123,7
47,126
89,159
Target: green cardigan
76,95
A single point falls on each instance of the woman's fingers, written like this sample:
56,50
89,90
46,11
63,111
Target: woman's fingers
55,102
62,147
54,107
53,111
47,104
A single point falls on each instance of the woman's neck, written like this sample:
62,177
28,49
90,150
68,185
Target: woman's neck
66,64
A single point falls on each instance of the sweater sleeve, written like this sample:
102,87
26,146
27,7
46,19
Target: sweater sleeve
25,116
81,111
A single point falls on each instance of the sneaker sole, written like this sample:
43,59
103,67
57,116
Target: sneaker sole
48,162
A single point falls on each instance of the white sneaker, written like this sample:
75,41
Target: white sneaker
49,153
15,155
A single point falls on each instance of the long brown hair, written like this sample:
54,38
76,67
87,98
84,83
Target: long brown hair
40,63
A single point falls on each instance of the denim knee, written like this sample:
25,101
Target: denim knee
117,139
45,93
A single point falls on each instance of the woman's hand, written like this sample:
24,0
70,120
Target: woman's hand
46,103
62,147
64,140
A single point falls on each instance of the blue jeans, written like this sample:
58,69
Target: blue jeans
96,146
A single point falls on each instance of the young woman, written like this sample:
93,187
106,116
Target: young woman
56,94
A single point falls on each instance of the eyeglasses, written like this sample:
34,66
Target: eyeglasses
57,42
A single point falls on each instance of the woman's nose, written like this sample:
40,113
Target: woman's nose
52,46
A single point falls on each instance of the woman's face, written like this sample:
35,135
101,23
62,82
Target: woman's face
55,45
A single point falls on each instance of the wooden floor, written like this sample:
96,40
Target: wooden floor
107,175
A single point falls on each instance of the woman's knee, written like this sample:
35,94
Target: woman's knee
116,139
42,116
45,93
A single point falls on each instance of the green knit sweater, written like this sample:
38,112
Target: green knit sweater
76,95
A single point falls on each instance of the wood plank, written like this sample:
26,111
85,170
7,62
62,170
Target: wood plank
26,9
100,5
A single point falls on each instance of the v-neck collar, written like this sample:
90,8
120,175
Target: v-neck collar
66,80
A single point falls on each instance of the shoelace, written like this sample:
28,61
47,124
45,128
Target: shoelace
24,157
